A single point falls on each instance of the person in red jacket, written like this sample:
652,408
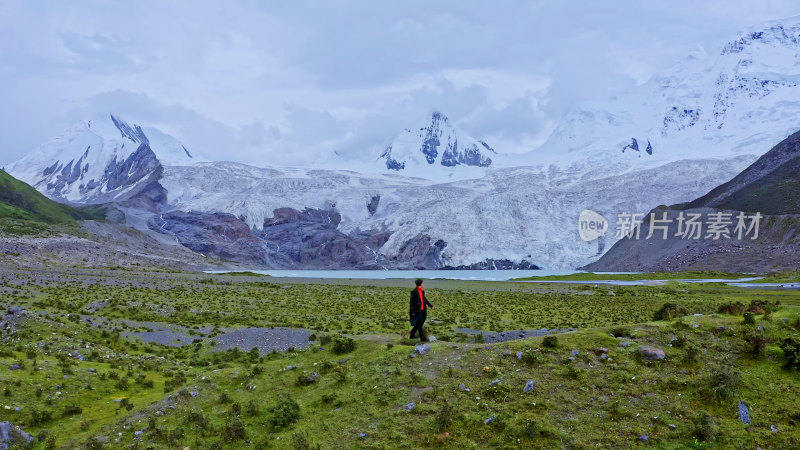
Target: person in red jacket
418,311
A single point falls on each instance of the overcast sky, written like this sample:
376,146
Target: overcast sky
289,82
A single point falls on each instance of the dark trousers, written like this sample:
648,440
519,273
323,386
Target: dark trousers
418,326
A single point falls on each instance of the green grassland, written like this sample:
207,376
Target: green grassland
124,393
25,211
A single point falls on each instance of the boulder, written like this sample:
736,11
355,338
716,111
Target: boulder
652,353
9,433
528,386
744,413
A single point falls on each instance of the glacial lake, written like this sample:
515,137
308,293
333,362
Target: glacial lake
478,275
499,275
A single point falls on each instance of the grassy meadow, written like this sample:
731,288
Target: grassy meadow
82,379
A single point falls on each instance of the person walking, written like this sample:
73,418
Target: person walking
418,311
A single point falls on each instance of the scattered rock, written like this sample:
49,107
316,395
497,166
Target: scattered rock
744,413
624,344
721,328
410,406
644,438
362,435
14,367
519,355
507,353
603,356
760,328
463,387
495,383
489,420
601,350
10,433
773,428
14,310
574,353
652,353
528,386
343,361
443,436
672,426
194,393
422,348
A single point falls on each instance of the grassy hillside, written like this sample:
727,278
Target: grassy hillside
24,210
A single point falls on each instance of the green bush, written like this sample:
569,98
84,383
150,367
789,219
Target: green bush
749,318
670,311
532,358
734,309
444,416
704,426
284,413
550,342
234,430
722,383
791,352
758,342
342,344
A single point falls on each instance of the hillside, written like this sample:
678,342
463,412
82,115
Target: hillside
20,203
769,186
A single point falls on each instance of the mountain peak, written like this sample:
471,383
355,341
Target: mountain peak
99,159
434,146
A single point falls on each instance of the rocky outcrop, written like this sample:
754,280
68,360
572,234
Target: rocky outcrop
310,239
218,234
496,264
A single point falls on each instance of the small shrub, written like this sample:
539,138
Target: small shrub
722,383
692,351
749,318
284,413
72,409
252,408
532,358
342,344
224,398
680,341
733,309
791,352
758,342
704,426
670,311
325,339
550,342
40,417
234,430
443,417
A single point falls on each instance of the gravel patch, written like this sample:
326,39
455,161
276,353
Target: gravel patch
266,339
503,336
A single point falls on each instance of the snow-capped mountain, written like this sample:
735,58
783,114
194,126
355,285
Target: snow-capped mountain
738,100
436,198
437,150
101,160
